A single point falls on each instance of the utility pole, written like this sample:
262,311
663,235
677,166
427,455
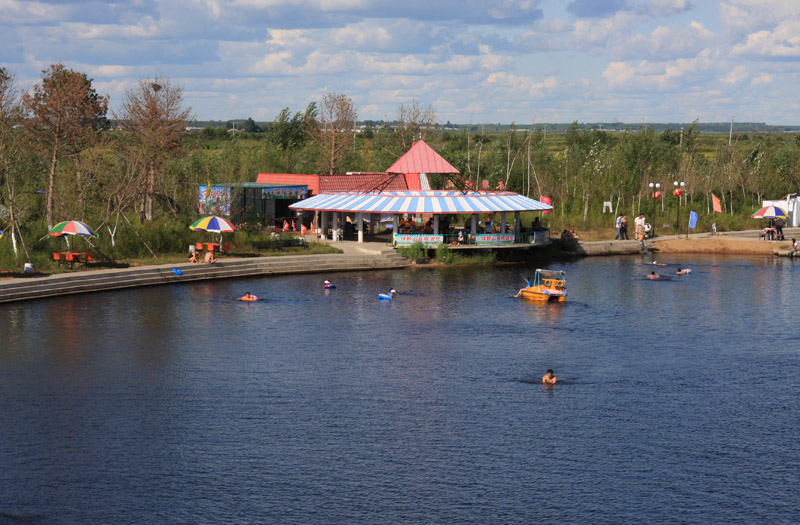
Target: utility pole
730,133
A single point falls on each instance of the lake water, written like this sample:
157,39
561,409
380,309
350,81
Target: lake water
678,401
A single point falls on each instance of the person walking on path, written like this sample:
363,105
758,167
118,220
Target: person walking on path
618,226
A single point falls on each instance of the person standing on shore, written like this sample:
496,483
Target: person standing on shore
639,223
618,226
624,228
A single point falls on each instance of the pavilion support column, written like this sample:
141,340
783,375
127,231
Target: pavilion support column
517,227
360,222
474,229
395,226
324,224
436,225
335,226
502,222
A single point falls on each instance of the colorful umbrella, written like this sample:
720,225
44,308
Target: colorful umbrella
213,224
770,212
71,228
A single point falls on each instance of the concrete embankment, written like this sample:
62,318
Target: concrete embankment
18,289
607,248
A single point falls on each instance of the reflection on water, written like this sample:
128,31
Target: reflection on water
180,404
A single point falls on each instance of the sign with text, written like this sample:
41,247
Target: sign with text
494,239
410,239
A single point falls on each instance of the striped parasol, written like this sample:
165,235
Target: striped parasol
71,228
214,224
770,212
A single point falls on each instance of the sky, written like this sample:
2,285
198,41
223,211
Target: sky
474,61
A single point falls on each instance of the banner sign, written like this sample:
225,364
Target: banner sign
410,239
291,192
494,239
541,237
215,200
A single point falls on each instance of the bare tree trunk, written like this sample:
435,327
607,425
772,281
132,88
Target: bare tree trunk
51,187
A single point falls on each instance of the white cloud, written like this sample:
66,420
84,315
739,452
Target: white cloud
658,75
783,41
762,79
663,8
737,76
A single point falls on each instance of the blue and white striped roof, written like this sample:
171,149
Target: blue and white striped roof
435,201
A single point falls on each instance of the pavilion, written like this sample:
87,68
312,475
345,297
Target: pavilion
434,202
415,164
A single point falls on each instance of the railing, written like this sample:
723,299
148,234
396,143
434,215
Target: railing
464,238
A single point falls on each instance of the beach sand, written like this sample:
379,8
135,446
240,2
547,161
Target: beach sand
719,244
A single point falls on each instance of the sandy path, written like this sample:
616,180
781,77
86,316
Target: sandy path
719,245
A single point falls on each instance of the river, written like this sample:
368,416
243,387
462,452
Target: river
677,401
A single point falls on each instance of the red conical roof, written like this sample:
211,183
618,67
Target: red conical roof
421,159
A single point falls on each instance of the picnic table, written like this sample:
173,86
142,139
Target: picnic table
72,257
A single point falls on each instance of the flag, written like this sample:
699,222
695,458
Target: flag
285,226
717,206
293,226
548,201
693,220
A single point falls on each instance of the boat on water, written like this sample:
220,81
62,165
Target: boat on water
548,286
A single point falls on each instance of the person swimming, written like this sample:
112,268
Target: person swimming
685,271
653,275
549,378
247,297
327,285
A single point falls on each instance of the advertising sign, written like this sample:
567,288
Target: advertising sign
410,239
494,239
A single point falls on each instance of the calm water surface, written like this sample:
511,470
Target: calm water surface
678,401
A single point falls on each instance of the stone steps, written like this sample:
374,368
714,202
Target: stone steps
89,281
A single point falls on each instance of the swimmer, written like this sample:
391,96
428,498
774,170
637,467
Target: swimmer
247,297
685,271
327,284
658,263
653,275
549,378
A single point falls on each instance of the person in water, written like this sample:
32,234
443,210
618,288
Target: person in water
653,275
685,271
527,285
327,284
549,378
247,297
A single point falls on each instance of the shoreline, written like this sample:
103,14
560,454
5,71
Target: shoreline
354,258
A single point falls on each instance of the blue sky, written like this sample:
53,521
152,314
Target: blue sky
473,60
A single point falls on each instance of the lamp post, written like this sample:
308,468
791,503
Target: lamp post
679,189
655,187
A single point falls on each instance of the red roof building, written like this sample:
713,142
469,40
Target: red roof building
421,159
407,174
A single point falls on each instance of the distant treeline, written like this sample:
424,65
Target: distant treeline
251,126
